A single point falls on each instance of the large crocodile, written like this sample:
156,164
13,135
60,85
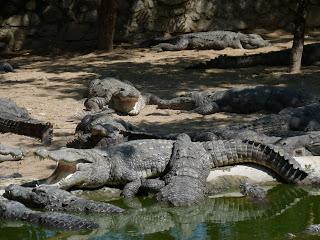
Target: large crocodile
10,154
13,210
245,100
17,120
120,96
311,55
53,199
133,164
216,40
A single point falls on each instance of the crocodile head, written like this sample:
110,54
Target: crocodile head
251,41
126,101
80,168
10,153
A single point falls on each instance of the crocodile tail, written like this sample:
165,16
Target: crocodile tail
277,58
226,153
30,127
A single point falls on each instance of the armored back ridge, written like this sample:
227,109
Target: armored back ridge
17,120
244,100
216,40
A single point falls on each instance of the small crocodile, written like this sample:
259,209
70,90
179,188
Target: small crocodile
10,154
133,164
17,120
13,210
53,199
216,40
311,55
245,100
120,96
253,191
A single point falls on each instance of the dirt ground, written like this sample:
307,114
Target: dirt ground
52,88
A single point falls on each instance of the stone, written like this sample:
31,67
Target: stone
14,21
47,30
52,14
313,17
91,16
31,5
75,31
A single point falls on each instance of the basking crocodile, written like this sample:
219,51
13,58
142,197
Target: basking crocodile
10,154
53,199
6,67
245,100
253,191
185,182
216,40
102,130
12,210
120,96
133,164
17,120
311,55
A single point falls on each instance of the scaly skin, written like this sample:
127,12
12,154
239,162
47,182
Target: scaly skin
54,199
103,130
17,120
216,40
12,210
265,98
311,54
136,164
252,191
120,96
10,154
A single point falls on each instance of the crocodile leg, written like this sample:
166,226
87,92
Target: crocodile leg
131,188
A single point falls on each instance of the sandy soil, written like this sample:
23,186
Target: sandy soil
52,88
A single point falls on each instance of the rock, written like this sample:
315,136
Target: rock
75,31
14,21
90,16
313,17
52,14
47,30
31,5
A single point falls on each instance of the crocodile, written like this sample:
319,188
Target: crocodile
53,199
102,130
137,164
216,40
121,96
253,191
311,55
6,67
13,210
245,100
189,167
10,154
17,120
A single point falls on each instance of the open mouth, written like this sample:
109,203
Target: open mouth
63,170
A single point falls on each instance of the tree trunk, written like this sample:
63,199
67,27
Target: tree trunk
298,40
106,24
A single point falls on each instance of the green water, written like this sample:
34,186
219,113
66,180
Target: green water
287,210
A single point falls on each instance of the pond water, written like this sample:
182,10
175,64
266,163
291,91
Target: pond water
288,209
